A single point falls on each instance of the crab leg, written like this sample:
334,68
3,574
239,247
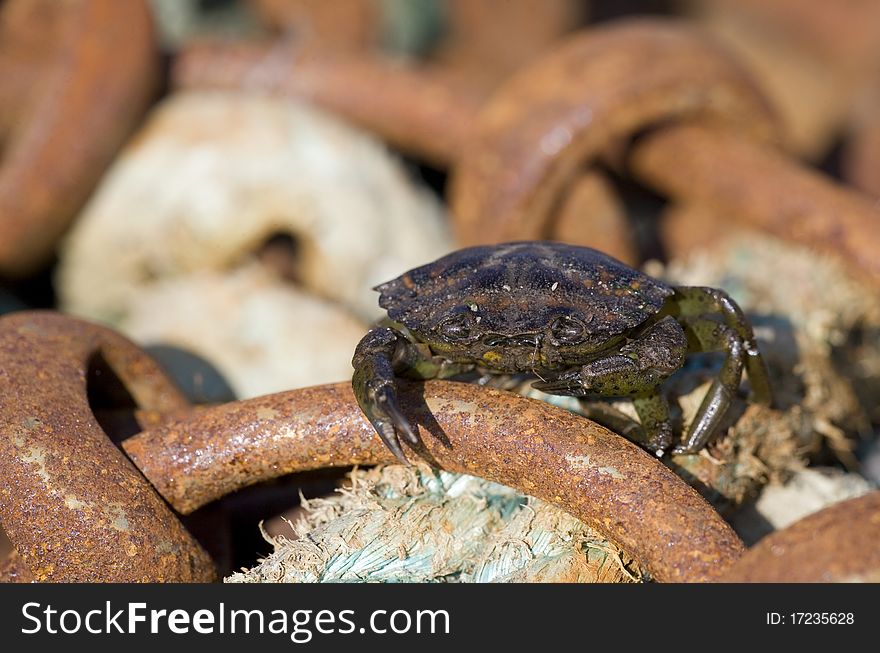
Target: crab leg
653,411
711,336
696,302
636,370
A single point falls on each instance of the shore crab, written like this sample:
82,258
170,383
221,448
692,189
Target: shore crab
580,321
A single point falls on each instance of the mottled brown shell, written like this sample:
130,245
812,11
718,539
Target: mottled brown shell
519,287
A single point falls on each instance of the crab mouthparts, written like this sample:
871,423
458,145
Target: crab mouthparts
523,340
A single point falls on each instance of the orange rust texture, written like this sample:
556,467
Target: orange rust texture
516,161
418,109
594,89
836,545
544,451
424,107
861,157
77,76
759,185
422,110
13,569
72,504
593,215
845,32
810,95
684,228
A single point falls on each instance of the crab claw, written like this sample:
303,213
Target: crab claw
389,437
387,398
374,387
383,411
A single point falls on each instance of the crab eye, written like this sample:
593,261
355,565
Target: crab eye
567,330
456,327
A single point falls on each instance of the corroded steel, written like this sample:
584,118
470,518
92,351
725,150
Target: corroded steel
592,214
417,109
581,99
717,170
78,510
73,505
77,77
517,159
13,569
421,110
861,157
544,451
835,545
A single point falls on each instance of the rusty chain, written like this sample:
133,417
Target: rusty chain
707,134
73,505
835,545
69,485
568,108
608,483
861,160
57,140
77,509
647,97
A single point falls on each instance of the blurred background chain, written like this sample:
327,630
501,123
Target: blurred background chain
223,182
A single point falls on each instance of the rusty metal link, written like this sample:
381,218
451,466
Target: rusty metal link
14,570
76,78
763,188
76,509
608,84
607,228
414,107
516,160
416,104
72,504
544,451
846,32
424,107
813,58
648,95
861,156
544,103
835,545
592,92
684,228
